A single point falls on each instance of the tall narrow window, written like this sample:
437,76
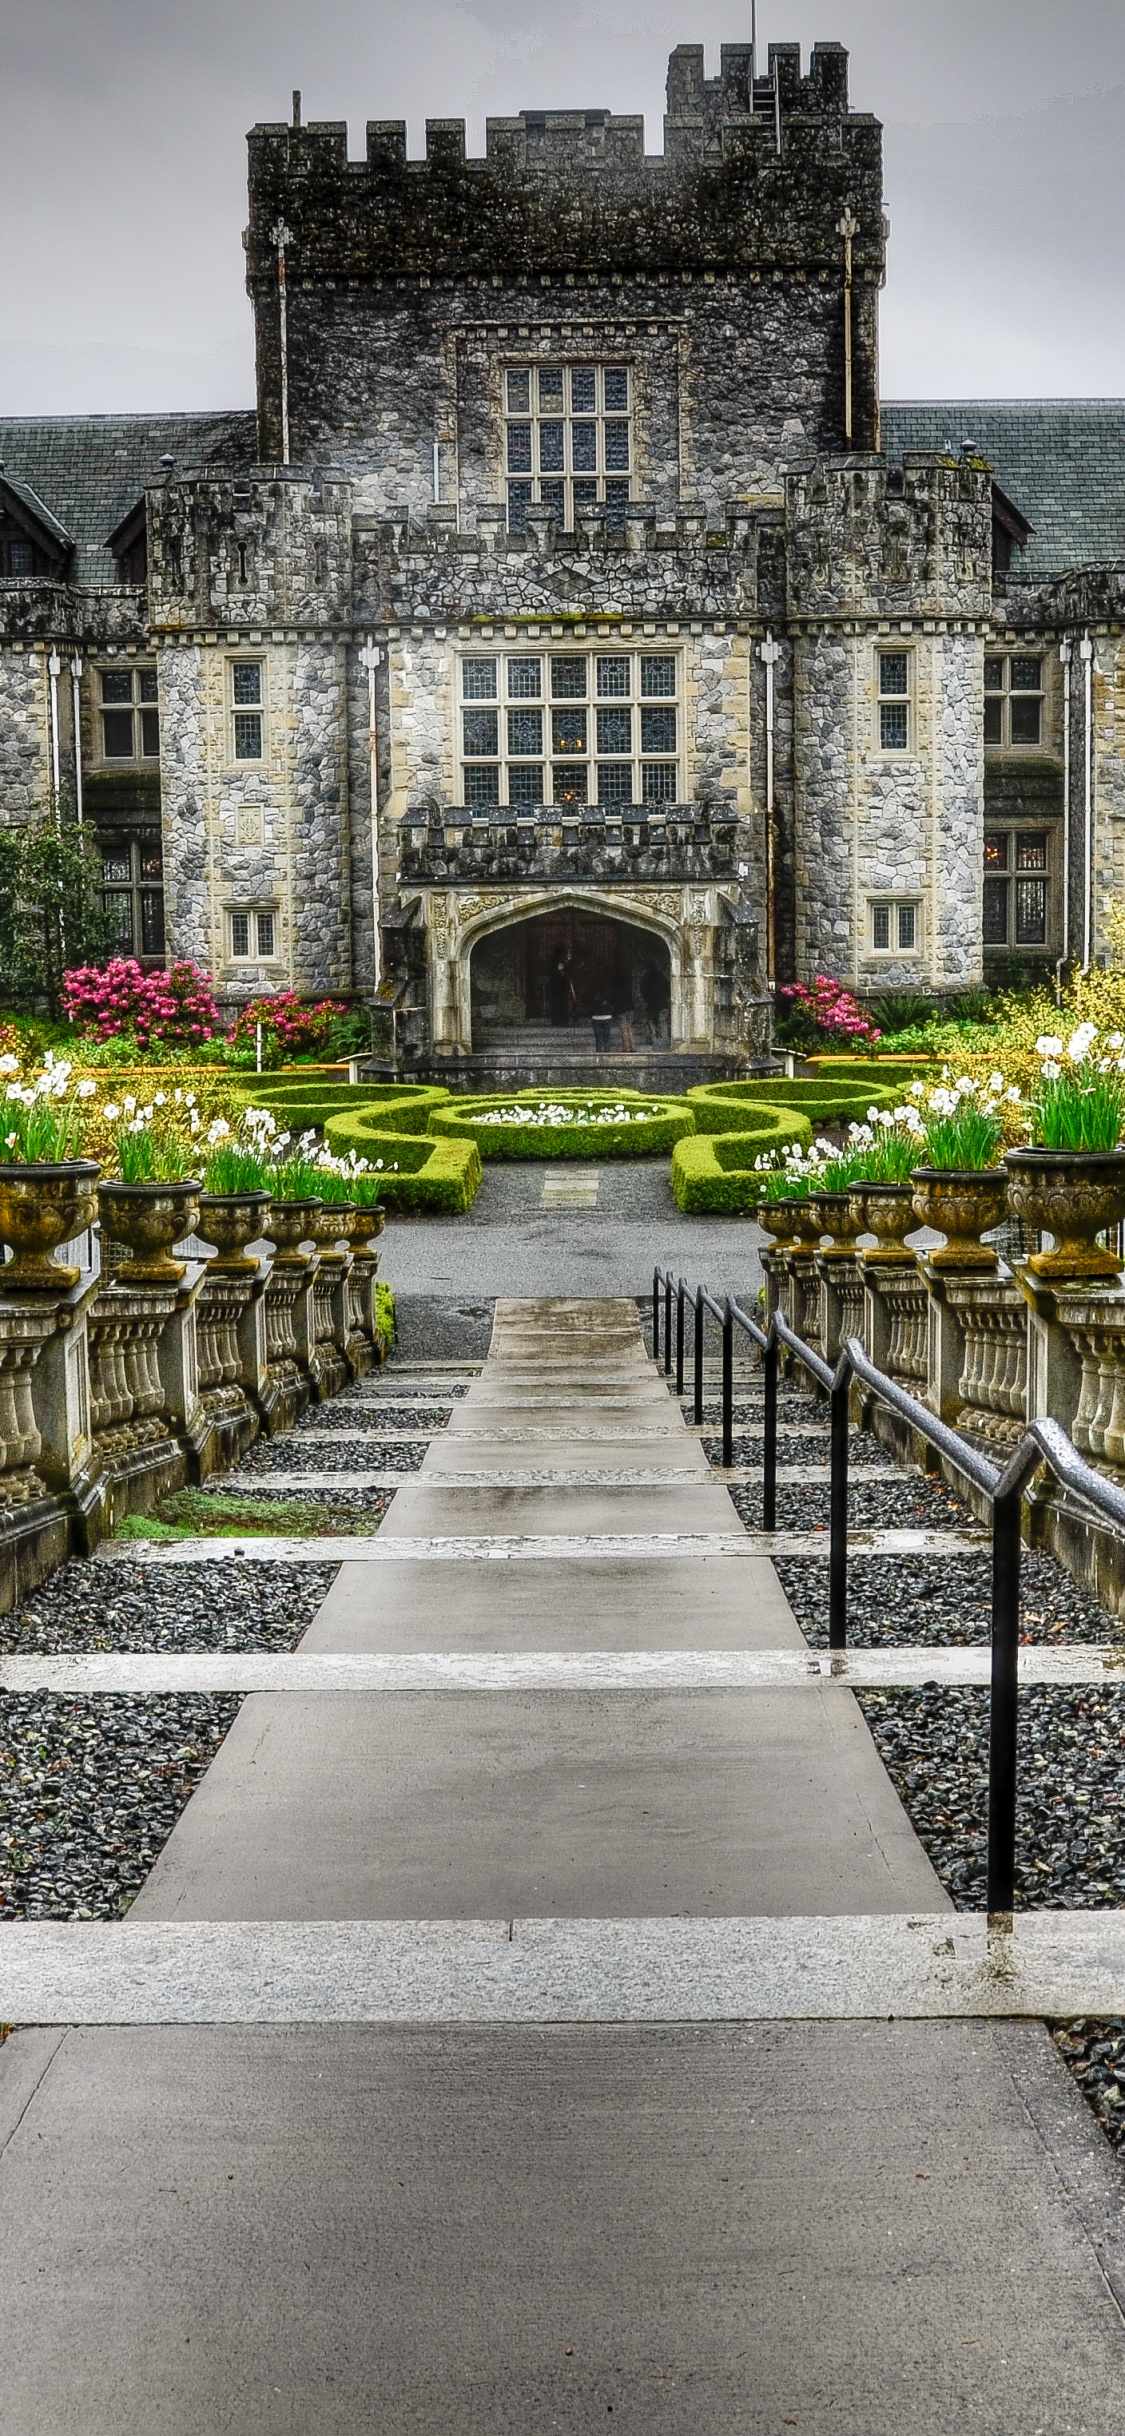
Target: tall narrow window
894,701
568,440
1018,865
133,891
246,696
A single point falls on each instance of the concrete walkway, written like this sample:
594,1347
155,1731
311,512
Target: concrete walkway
463,2219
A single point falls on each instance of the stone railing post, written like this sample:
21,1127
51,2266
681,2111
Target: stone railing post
1066,1349
60,1381
841,1297
895,1316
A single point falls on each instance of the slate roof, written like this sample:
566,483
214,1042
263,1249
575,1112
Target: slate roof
38,509
89,469
1060,460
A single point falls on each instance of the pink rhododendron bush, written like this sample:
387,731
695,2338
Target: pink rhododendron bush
297,1027
827,1015
176,1007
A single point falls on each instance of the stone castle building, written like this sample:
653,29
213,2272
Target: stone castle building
569,629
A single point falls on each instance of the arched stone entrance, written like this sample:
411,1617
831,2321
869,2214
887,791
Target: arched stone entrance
569,973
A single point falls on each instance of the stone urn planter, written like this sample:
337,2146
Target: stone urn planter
148,1219
360,1223
832,1216
1073,1195
961,1203
290,1225
887,1212
41,1207
789,1221
230,1221
329,1226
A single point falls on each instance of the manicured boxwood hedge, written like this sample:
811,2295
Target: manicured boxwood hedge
401,1107
725,1107
890,1073
716,1171
463,1121
417,1172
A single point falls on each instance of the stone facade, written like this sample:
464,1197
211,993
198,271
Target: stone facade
841,781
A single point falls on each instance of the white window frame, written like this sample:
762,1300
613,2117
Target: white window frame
892,698
660,771
254,917
246,710
895,909
1005,696
142,708
609,486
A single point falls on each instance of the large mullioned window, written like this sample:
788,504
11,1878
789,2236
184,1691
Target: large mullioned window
570,727
567,440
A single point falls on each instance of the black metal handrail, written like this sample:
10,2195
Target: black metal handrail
1043,1442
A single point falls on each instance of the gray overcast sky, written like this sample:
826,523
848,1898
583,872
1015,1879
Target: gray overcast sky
122,170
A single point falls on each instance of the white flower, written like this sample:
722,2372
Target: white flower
1050,1070
1113,1040
86,1090
217,1131
129,1104
1081,1042
917,1089
111,1110
9,1064
1014,1094
160,1099
1048,1045
996,1082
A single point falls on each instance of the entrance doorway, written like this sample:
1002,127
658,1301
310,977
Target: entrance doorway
606,983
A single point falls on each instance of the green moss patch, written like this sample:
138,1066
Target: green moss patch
716,1172
199,1513
602,1124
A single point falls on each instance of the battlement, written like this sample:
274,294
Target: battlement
753,171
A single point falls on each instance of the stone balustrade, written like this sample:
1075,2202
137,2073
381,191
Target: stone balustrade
987,1351
114,1394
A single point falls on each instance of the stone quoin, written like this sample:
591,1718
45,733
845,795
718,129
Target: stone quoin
569,629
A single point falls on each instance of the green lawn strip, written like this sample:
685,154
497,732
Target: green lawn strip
195,1513
716,1172
465,1119
416,1173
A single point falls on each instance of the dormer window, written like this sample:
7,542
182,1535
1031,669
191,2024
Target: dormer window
33,544
128,544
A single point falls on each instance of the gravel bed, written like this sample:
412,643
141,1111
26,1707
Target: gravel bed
943,1599
913,1503
139,1607
1094,2052
748,1449
282,1456
90,1792
330,1416
1070,1849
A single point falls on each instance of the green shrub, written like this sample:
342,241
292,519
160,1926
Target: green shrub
416,1173
297,1103
465,1120
384,1318
716,1172
724,1107
893,1072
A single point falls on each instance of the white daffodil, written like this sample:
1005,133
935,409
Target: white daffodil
1081,1042
111,1111
9,1064
1048,1045
160,1099
1050,1070
129,1104
86,1089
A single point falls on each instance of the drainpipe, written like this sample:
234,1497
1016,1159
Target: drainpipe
76,709
848,228
370,657
1086,655
769,653
54,672
282,237
1066,655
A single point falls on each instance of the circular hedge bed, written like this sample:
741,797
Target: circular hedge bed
729,1107
716,1172
564,1125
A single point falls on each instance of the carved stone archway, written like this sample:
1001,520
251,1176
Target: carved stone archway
685,918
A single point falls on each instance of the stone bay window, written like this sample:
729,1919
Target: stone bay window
570,727
1019,879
